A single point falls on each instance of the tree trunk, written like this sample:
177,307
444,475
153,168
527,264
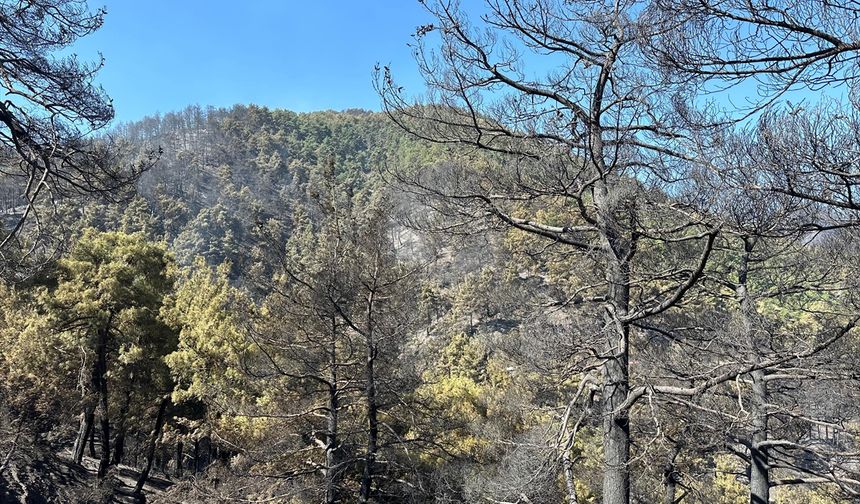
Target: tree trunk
150,449
372,424
196,455
759,464
569,480
616,429
84,433
371,400
100,383
119,440
331,458
671,485
178,469
616,385
670,477
332,462
118,448
165,459
92,440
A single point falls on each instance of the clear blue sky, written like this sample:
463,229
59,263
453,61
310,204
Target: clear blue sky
161,55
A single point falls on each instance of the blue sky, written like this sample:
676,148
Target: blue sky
161,55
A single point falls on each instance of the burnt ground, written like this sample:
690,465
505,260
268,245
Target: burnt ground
35,475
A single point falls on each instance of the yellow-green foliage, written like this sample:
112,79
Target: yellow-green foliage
206,363
109,283
794,316
557,263
472,387
113,271
115,281
458,386
803,495
589,446
728,489
35,370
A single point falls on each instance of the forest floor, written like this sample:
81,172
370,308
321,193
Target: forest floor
124,479
37,476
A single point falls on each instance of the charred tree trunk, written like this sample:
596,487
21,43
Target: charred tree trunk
332,459
84,433
759,459
331,448
671,487
196,455
372,407
759,463
670,477
118,448
100,383
372,433
616,425
179,454
164,459
150,449
119,440
616,386
92,440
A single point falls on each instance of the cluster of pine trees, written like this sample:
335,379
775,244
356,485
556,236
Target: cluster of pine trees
608,282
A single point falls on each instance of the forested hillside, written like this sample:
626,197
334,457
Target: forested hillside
250,269
267,303
226,176
609,256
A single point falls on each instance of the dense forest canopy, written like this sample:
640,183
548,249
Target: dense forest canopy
577,269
